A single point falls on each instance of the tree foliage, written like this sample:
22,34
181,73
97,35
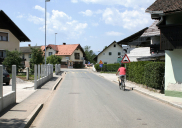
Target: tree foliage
37,57
13,58
90,55
53,59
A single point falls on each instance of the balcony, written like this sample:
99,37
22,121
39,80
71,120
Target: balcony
171,37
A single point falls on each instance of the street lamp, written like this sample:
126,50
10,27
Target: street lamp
55,41
45,28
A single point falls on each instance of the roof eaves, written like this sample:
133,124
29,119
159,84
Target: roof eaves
21,40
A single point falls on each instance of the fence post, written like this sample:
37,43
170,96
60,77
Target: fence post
39,71
35,76
1,87
14,79
27,74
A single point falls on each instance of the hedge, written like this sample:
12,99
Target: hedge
135,71
107,67
141,72
154,73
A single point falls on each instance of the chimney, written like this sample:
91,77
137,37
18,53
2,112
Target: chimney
64,43
29,45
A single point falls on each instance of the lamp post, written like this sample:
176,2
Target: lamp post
55,41
45,29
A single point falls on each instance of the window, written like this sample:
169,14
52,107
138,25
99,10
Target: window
110,53
1,53
3,36
119,53
50,53
105,62
30,55
114,45
23,56
77,55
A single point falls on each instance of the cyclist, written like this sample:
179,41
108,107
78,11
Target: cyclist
122,71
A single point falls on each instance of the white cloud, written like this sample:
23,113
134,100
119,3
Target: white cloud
127,19
74,1
87,13
126,3
39,8
112,33
60,22
95,24
20,16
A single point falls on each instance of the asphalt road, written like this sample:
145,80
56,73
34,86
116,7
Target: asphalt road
84,100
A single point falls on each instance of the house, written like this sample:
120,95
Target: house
26,54
144,44
71,54
169,12
10,36
110,54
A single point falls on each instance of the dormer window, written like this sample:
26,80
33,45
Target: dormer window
3,36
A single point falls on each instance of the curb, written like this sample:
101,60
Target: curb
34,113
164,101
55,86
31,117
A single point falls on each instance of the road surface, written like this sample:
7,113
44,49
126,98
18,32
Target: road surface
85,100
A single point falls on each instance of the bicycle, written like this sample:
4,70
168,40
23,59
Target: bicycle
121,82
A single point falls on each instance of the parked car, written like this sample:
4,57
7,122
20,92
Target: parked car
6,77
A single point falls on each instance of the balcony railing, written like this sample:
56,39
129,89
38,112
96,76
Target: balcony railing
171,37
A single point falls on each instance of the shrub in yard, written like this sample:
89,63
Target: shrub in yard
135,71
154,73
108,67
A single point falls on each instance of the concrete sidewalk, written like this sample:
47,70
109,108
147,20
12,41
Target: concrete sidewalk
29,103
174,101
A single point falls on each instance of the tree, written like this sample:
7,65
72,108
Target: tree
37,57
90,55
12,58
53,59
105,47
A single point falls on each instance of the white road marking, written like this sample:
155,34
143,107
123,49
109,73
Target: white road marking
113,115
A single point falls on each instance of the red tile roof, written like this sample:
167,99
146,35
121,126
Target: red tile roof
67,49
166,6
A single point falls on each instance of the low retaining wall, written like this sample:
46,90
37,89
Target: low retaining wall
10,98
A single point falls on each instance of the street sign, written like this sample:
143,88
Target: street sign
101,65
125,59
100,62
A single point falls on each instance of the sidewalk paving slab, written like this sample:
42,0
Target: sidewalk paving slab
22,113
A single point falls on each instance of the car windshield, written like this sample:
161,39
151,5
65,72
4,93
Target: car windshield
4,71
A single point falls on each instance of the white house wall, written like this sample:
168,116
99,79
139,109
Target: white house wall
155,40
110,59
138,53
173,70
73,55
12,44
50,50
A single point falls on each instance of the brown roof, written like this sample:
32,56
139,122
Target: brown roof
27,49
166,6
152,30
7,23
67,49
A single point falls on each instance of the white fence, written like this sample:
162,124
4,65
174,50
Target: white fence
10,98
42,74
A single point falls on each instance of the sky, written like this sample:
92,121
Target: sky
95,23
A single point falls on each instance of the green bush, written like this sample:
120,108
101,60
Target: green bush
154,73
135,71
107,67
